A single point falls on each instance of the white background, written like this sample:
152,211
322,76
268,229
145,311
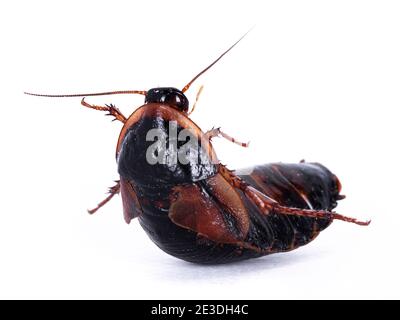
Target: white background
314,79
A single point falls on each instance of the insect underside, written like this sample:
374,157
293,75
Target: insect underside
195,208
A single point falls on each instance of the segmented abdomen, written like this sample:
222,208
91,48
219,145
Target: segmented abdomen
302,185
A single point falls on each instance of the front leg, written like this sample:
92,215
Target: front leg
111,109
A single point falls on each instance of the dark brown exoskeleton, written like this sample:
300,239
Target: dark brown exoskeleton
196,209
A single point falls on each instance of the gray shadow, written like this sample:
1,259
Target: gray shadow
177,270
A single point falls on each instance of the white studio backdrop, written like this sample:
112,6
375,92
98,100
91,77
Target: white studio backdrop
314,80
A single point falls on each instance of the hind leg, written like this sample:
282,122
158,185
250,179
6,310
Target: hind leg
268,205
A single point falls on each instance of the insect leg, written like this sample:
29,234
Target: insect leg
216,132
268,205
319,214
111,109
197,99
112,192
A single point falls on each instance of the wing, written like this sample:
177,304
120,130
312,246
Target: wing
212,208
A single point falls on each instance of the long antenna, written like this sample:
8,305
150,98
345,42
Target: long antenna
185,88
87,94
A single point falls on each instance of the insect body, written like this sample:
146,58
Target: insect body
196,209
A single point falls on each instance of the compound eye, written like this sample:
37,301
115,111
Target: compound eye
181,103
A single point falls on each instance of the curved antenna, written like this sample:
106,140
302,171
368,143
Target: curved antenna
87,94
185,88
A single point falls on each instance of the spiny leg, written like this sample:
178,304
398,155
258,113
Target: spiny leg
197,99
112,192
268,205
319,214
111,109
216,132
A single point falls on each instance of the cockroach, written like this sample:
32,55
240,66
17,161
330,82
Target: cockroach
191,205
